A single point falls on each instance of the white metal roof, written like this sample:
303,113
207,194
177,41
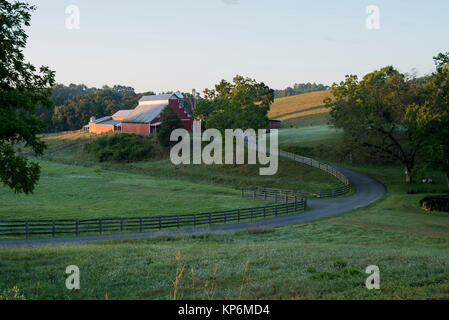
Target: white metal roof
110,122
162,97
145,113
122,113
101,119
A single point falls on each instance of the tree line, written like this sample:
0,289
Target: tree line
300,88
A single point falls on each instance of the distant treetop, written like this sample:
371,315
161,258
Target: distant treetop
300,88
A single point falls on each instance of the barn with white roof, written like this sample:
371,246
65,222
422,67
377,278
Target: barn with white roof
146,117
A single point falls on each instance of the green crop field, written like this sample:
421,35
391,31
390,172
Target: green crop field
321,259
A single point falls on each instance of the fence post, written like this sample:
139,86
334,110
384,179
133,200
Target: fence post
265,195
194,221
77,222
210,218
140,224
276,210
296,203
264,212
254,195
238,216
252,213
275,197
243,192
160,222
53,228
121,224
100,226
26,228
177,220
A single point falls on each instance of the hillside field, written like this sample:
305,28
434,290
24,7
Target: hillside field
68,149
91,189
301,110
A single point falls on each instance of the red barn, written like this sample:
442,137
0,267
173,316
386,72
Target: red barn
147,116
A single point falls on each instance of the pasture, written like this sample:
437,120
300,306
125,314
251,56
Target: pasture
324,259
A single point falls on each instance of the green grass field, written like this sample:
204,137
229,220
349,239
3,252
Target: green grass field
324,259
146,188
308,136
291,175
67,191
309,120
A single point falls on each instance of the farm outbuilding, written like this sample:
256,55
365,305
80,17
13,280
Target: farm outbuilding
108,124
274,124
145,118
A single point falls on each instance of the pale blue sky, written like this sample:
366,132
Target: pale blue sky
180,45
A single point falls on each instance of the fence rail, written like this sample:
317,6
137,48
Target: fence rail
322,166
79,227
277,195
292,202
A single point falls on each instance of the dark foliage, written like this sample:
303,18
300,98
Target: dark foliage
22,89
170,122
121,147
243,104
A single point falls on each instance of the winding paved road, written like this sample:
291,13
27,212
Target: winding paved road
368,190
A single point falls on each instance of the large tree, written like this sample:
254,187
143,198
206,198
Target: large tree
372,113
432,117
241,104
22,90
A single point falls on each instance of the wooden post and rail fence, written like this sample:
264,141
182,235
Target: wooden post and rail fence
286,202
77,227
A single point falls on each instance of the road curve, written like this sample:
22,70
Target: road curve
367,191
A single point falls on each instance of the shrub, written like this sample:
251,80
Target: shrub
121,147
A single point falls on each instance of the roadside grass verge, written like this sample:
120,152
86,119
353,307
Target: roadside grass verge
319,260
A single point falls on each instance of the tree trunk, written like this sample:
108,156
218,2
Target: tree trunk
447,177
408,178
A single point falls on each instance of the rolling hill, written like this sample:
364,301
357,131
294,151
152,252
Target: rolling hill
300,110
